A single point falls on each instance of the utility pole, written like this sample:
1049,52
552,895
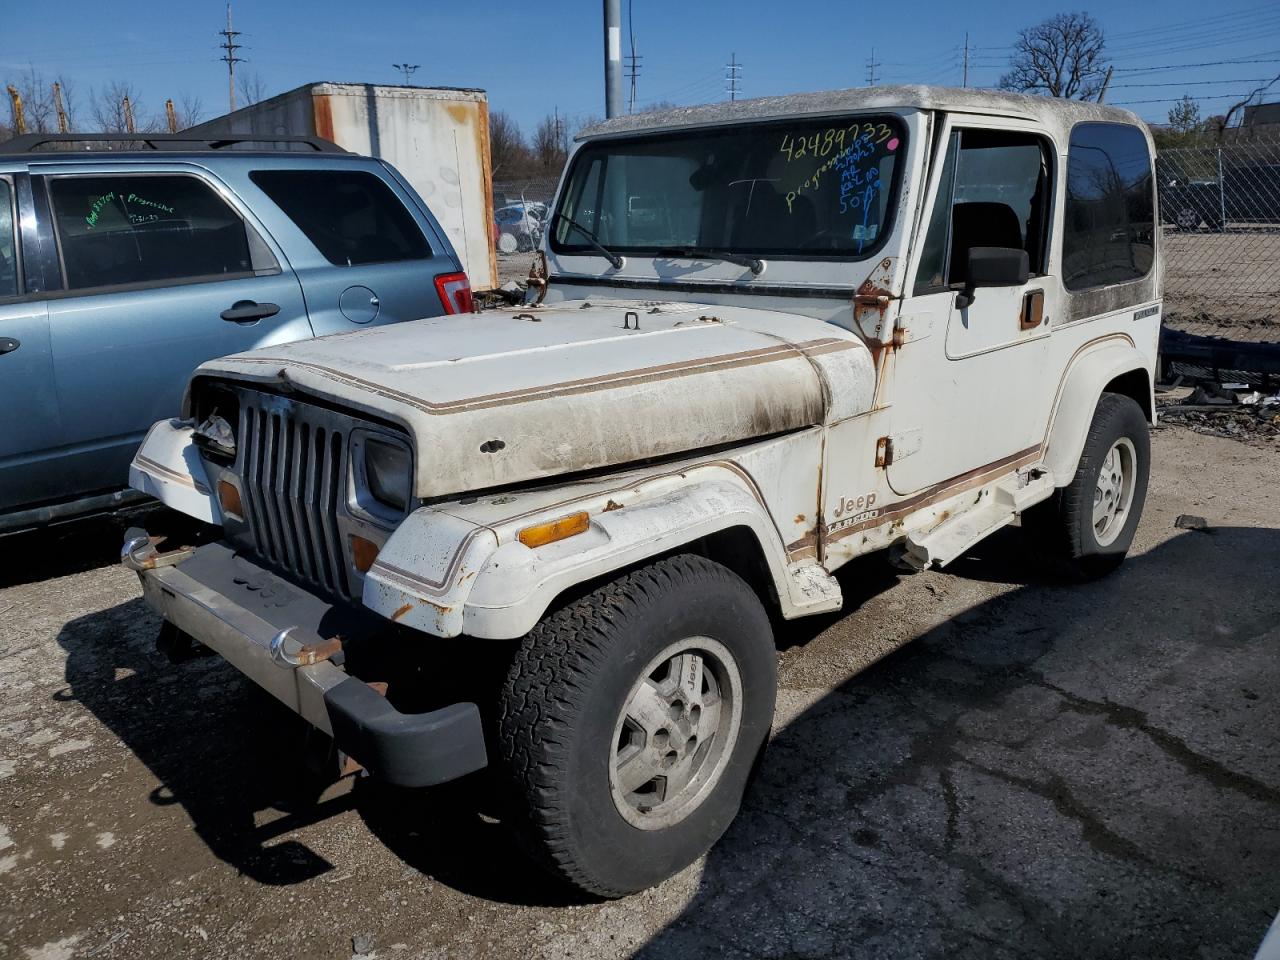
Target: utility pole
229,57
129,125
64,125
872,63
19,116
1106,82
733,76
407,69
612,58
966,59
633,59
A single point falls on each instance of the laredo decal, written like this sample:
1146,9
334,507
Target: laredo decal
1146,312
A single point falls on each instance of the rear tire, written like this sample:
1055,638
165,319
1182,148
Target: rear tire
1086,528
630,720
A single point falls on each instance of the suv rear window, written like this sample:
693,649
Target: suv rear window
351,216
1109,230
119,229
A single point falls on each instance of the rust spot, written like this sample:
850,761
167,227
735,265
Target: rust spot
377,686
309,655
611,505
460,112
322,115
465,577
799,518
401,611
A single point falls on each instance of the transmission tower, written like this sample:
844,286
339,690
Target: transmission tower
872,65
407,69
633,60
229,57
733,77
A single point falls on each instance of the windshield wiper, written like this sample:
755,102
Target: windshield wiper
599,248
756,266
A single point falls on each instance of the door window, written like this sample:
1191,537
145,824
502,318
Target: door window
994,192
8,244
120,229
1108,231
351,216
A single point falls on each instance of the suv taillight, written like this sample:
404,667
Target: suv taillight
455,293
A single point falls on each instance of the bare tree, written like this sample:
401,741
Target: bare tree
1061,57
507,149
551,142
190,112
109,111
250,88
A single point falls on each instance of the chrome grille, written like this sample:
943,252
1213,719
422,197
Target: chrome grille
292,467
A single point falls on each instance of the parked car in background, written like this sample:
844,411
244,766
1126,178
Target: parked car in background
1245,194
520,225
120,272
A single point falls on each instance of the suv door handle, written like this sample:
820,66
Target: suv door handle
249,311
8,344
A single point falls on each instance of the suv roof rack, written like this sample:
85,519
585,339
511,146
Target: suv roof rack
29,142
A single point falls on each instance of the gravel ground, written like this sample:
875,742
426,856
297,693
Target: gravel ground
1044,772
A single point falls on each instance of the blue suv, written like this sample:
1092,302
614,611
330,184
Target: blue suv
121,271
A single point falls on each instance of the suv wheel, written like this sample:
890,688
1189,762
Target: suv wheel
1188,219
630,720
1087,526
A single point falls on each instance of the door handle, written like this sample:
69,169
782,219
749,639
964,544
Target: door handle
249,311
8,344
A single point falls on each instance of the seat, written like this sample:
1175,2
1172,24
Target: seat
980,224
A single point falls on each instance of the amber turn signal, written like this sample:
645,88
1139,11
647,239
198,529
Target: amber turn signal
229,497
541,534
363,553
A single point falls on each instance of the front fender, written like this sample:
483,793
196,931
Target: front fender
168,467
462,569
1093,368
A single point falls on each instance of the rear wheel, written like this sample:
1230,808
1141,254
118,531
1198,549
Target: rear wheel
1086,527
1187,219
630,720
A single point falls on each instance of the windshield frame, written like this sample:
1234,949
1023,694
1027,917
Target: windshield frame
588,149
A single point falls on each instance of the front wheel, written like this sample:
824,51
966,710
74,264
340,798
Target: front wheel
1087,527
630,720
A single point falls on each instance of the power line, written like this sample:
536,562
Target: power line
733,76
1216,96
872,64
229,57
1192,83
1183,66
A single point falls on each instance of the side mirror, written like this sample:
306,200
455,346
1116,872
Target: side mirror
994,267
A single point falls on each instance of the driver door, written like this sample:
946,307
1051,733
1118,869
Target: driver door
967,381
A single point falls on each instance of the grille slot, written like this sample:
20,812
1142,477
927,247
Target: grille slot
293,473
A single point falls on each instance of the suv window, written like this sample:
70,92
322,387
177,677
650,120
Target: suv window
1108,231
8,245
118,229
351,216
994,192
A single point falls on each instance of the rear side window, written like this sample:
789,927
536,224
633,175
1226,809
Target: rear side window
8,245
118,229
351,216
1109,227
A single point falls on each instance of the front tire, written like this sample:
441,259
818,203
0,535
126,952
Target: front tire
1087,527
630,720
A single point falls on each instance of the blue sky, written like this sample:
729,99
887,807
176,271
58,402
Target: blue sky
532,57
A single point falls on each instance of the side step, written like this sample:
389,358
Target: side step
996,507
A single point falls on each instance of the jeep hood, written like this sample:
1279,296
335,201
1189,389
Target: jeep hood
516,395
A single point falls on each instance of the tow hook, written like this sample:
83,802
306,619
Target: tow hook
141,551
294,647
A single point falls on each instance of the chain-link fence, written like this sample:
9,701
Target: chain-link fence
1220,207
534,190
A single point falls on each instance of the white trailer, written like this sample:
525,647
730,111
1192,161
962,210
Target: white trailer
438,137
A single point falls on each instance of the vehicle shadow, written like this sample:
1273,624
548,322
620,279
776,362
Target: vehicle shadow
1088,771
73,546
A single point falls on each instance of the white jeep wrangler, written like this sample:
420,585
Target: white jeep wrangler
770,336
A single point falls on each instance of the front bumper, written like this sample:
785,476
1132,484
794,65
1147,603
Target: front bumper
238,609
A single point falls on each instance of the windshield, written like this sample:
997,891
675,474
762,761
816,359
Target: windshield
818,189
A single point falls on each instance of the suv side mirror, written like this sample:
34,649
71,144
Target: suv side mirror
994,267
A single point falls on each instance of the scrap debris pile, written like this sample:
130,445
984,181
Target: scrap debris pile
1234,410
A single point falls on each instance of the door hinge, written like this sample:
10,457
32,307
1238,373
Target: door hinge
884,451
